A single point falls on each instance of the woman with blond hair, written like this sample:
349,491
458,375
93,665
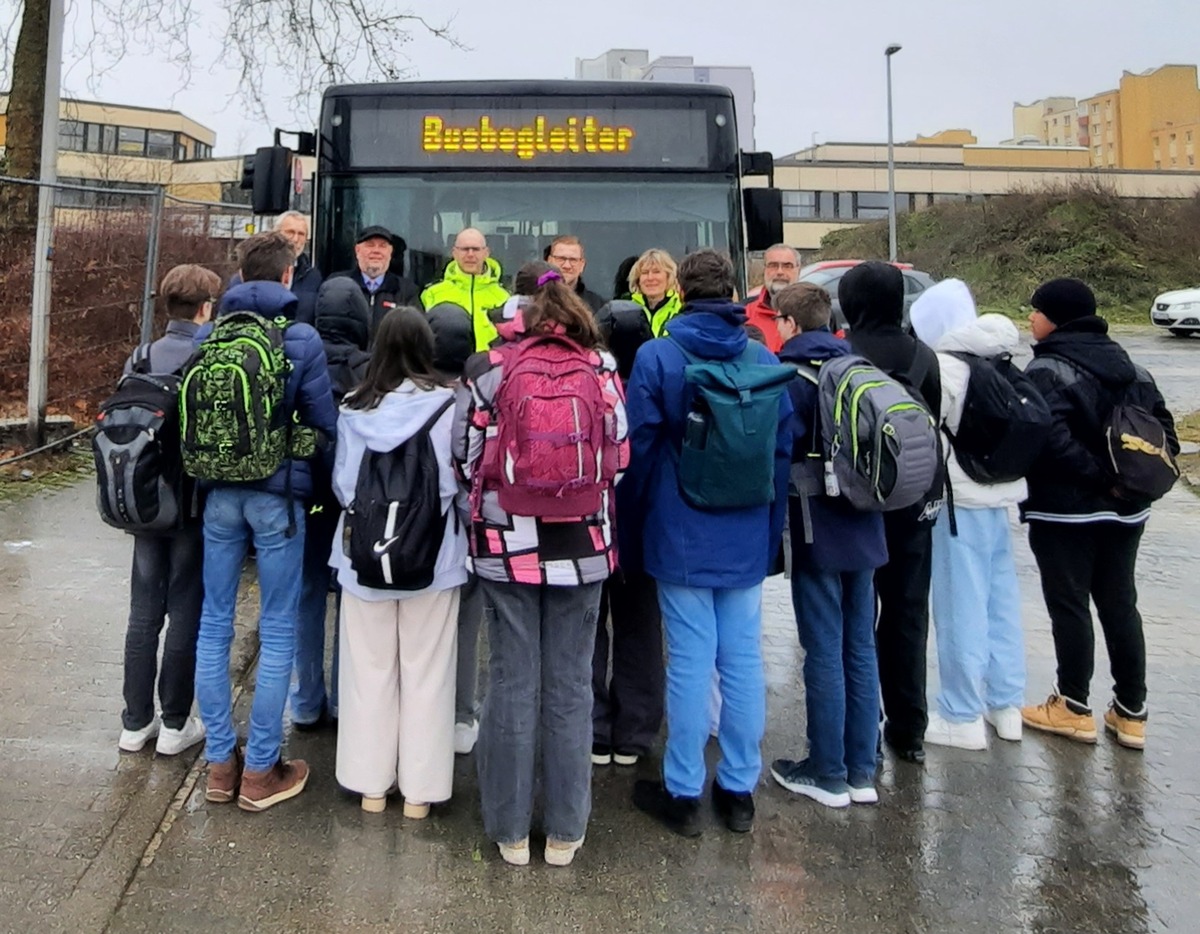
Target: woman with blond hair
541,543
652,284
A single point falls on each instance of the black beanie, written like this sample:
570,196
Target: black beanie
453,337
872,294
1064,300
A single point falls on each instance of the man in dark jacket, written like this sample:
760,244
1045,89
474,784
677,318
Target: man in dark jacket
872,299
565,254
343,320
709,564
306,278
263,512
1083,532
835,552
384,289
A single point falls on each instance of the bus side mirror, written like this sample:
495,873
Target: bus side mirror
270,180
764,217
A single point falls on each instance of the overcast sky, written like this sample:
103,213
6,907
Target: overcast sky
818,65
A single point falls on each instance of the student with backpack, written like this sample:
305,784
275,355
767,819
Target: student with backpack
143,490
254,404
976,599
627,666
401,567
1110,455
836,549
711,444
342,318
540,440
872,299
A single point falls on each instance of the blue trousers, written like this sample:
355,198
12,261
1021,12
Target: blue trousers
232,516
835,614
709,628
977,615
308,687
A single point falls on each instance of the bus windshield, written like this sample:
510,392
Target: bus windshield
615,216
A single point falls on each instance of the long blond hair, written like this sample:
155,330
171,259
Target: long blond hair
654,257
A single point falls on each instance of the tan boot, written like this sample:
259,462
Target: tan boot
1055,716
262,790
223,779
1129,733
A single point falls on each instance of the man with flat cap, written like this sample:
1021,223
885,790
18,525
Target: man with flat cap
384,289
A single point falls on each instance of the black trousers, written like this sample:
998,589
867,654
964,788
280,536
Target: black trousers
167,581
1095,560
627,710
902,631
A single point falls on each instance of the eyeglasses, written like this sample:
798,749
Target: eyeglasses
785,266
566,260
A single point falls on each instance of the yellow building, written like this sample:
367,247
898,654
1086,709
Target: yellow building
836,185
947,138
1135,125
1103,115
1174,147
1048,121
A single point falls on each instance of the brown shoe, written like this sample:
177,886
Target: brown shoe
1055,716
223,779
1130,733
261,790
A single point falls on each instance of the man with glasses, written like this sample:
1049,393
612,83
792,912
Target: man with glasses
781,268
471,281
566,255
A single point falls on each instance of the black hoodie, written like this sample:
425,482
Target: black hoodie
1083,373
343,319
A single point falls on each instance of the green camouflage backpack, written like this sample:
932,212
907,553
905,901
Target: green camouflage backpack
233,424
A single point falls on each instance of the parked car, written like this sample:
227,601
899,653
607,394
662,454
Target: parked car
828,273
1177,311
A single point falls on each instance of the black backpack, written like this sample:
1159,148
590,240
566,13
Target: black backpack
139,469
625,327
395,526
1139,452
1005,421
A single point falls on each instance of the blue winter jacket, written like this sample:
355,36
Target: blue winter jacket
680,544
308,391
844,539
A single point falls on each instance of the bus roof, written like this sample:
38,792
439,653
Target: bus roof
563,88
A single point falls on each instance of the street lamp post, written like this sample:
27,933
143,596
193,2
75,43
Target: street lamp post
888,53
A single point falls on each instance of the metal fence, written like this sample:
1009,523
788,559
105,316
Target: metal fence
109,249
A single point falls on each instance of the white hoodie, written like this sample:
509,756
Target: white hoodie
399,415
944,318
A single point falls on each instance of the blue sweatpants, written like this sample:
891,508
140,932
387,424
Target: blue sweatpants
977,615
708,628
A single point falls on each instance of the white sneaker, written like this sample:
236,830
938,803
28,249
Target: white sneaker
172,742
942,732
135,740
465,735
1006,722
562,852
516,854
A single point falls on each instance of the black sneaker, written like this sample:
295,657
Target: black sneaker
735,808
906,748
312,726
601,754
681,815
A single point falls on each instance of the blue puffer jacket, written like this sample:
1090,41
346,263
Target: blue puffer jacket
844,539
308,391
680,544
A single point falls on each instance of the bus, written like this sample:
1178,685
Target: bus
623,166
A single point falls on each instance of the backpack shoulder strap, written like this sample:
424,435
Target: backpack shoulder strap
139,361
436,416
687,354
924,360
810,371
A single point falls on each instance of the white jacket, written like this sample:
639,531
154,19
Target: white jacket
400,414
944,317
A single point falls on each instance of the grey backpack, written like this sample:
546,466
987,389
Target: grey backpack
879,445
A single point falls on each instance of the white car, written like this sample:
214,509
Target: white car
1178,311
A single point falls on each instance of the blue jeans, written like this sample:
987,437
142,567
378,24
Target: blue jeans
835,614
709,628
977,615
308,687
234,515
539,694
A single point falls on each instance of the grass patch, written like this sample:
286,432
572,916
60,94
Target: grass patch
52,470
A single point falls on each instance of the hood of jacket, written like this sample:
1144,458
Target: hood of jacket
812,346
872,296
1085,343
985,336
710,329
399,415
489,276
942,308
453,337
343,315
268,299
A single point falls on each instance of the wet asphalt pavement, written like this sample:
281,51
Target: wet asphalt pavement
1043,836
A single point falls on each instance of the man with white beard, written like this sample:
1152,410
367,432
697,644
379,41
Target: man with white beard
781,267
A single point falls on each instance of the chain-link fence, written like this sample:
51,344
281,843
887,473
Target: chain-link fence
110,248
